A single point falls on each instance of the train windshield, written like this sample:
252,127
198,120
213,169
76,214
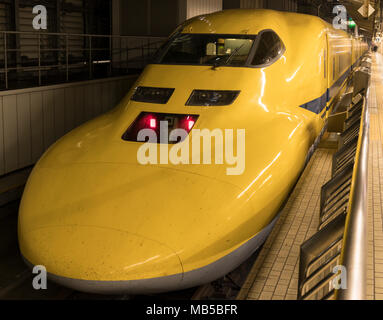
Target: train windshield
207,49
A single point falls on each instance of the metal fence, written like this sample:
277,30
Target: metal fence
30,59
338,252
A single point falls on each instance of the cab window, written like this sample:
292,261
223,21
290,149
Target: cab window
208,49
270,47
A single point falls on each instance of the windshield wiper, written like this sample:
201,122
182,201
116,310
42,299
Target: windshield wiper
227,61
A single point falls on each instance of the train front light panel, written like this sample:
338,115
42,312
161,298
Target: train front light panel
212,98
162,124
152,95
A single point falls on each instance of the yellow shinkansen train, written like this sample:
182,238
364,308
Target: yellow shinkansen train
102,222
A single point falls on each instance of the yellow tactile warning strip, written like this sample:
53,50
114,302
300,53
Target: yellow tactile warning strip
275,274
375,192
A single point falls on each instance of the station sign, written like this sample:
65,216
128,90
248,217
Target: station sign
366,11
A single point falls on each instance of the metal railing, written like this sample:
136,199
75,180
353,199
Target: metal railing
50,57
342,237
354,253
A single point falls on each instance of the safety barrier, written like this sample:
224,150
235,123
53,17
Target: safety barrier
42,58
333,262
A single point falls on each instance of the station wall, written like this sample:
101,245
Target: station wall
31,120
198,7
160,18
146,17
284,5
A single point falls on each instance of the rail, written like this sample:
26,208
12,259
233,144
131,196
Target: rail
354,253
333,262
37,58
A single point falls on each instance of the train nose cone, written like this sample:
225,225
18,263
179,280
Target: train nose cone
121,222
75,255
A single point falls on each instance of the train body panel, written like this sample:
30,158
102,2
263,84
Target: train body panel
88,200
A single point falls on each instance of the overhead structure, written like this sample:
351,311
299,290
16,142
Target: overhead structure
364,13
366,10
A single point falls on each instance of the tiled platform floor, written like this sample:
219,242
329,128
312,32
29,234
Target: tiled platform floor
375,195
275,274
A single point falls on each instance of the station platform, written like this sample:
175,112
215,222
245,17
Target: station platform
275,274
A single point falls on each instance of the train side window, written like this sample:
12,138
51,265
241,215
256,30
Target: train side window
269,49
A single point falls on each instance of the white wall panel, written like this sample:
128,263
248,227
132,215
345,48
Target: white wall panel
31,120
48,118
10,146
105,97
113,94
24,129
59,112
79,103
37,126
89,106
97,99
198,7
70,109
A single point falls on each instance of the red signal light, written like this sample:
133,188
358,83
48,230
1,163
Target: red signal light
153,123
191,124
163,124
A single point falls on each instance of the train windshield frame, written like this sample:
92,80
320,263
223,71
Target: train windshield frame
220,50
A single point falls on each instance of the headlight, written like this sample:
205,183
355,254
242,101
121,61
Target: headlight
152,95
210,98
